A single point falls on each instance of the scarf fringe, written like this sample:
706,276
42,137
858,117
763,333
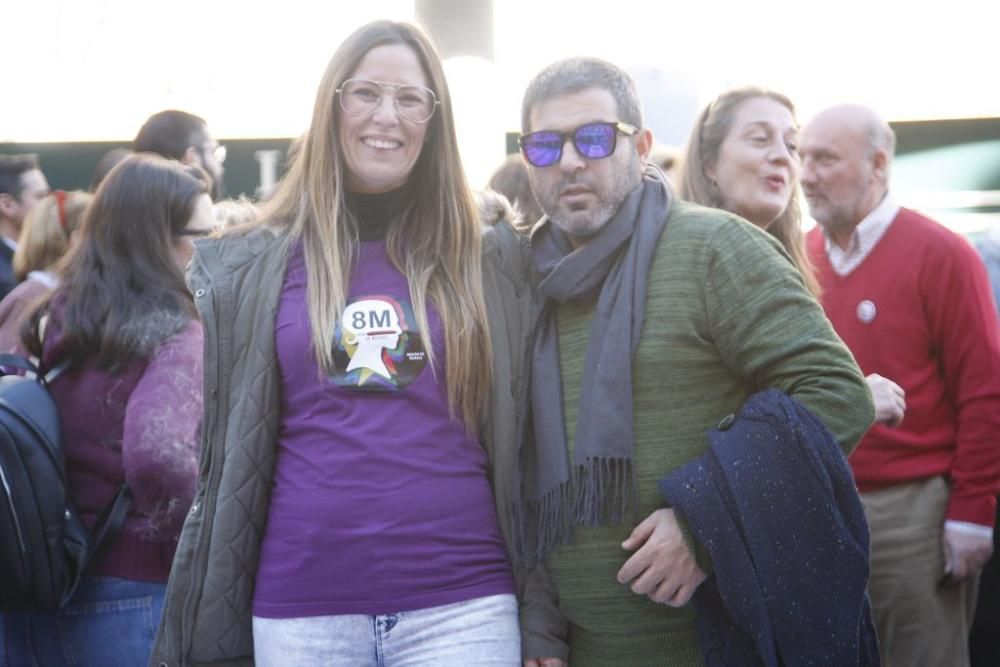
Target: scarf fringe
601,492
604,488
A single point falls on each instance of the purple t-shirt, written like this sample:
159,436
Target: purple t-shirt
381,502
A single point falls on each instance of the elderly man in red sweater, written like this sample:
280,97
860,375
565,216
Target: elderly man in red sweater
912,301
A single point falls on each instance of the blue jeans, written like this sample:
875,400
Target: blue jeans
483,632
109,622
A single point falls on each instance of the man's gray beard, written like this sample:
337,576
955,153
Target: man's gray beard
624,185
834,227
601,217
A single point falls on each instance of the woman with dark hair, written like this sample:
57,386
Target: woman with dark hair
363,355
129,403
743,157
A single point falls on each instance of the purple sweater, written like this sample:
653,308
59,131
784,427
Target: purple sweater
14,308
381,501
141,426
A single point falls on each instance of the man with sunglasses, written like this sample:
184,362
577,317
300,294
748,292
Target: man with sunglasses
182,136
657,318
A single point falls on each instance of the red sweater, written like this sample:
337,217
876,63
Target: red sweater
934,331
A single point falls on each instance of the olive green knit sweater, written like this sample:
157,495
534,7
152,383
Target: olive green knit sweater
726,314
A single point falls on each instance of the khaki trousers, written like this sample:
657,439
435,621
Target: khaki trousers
919,623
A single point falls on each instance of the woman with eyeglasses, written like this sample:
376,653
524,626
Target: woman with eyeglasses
45,238
129,403
743,157
363,347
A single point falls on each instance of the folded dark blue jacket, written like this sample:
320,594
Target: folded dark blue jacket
774,502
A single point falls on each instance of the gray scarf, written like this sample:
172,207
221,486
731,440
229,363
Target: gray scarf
613,266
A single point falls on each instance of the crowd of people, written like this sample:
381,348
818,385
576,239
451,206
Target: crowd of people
624,412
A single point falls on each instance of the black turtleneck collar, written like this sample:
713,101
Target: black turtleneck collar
375,213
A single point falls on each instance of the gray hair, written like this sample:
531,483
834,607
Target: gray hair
572,75
881,136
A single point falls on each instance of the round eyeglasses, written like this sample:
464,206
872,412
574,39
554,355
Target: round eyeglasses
359,97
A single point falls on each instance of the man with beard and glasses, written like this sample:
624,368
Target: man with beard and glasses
657,318
182,136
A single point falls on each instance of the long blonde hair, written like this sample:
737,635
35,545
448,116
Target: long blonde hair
437,248
702,153
46,231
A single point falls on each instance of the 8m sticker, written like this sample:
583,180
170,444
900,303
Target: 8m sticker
378,346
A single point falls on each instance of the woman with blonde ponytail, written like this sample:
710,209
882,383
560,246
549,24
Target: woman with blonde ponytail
364,340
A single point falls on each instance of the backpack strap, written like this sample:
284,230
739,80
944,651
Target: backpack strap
108,524
8,360
57,371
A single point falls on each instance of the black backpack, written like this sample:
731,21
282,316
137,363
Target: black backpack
45,548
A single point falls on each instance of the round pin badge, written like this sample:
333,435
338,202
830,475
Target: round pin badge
867,311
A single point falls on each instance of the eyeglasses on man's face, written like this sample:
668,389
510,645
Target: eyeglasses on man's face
592,141
359,97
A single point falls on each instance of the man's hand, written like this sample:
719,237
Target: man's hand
889,398
964,553
663,568
545,662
